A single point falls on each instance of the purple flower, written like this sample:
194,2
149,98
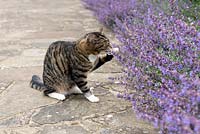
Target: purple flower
160,59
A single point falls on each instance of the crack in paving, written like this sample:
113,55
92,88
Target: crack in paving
7,87
79,122
69,123
35,110
72,113
93,116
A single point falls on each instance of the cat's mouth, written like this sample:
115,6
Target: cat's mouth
112,50
108,51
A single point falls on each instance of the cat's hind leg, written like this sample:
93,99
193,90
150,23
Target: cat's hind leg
53,94
73,91
57,96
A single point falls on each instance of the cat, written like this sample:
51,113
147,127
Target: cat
67,64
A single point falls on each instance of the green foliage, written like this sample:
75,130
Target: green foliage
192,13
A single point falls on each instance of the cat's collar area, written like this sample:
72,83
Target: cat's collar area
92,58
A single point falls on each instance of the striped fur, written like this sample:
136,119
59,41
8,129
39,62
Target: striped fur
67,65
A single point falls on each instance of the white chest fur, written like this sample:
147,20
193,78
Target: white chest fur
92,58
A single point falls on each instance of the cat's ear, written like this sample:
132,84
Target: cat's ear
90,38
101,30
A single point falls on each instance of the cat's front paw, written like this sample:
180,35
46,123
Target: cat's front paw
115,50
91,97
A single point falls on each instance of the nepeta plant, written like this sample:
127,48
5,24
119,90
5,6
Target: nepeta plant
161,59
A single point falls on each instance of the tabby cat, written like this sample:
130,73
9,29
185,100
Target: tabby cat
67,65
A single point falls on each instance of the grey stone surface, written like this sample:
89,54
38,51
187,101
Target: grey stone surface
20,130
64,129
4,85
77,107
27,28
121,130
19,98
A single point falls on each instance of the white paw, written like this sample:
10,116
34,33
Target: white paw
57,96
91,97
116,50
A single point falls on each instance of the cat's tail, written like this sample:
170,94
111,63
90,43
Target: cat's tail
37,83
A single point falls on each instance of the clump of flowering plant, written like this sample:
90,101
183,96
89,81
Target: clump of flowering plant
161,59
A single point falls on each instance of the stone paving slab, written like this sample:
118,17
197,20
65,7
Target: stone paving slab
29,108
27,28
24,130
77,107
19,98
4,85
64,129
20,74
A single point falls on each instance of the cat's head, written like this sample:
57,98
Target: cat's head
95,43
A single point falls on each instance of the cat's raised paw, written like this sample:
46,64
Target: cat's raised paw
109,57
116,50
